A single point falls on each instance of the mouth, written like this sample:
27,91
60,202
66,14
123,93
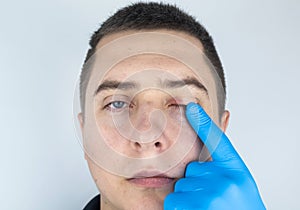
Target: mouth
151,179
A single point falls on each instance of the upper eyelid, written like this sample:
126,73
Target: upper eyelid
185,101
112,98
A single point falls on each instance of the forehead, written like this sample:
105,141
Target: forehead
144,64
136,64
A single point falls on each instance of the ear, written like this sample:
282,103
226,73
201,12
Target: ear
80,119
225,120
86,157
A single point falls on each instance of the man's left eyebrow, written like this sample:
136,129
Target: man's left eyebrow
187,81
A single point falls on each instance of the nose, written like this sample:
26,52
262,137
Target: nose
150,122
148,149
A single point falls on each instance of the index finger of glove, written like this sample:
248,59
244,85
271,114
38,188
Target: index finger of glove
211,135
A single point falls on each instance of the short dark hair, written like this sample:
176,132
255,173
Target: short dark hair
153,16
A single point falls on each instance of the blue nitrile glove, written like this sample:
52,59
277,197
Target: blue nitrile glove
223,183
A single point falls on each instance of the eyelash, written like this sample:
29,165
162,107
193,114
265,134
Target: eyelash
178,106
118,109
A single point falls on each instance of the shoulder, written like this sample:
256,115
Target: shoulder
94,204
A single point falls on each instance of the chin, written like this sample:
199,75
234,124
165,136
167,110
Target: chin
148,199
146,204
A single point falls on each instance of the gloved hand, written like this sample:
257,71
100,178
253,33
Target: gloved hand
223,183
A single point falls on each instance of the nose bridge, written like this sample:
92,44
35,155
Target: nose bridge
148,102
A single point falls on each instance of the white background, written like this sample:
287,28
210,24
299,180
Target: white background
42,47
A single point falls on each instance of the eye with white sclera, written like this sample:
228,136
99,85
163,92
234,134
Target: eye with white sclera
117,106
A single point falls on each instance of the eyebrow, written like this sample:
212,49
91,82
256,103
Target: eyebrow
114,84
180,83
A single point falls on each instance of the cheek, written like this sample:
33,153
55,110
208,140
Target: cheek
209,109
98,175
196,145
109,134
113,138
193,147
192,155
109,131
109,185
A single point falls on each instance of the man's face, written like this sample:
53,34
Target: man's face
169,95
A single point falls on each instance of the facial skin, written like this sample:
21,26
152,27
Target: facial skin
142,191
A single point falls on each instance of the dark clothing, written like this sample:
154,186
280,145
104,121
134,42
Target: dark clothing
94,204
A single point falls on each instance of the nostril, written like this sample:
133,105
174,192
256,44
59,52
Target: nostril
137,145
157,144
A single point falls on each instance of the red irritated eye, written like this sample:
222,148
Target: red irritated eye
176,105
